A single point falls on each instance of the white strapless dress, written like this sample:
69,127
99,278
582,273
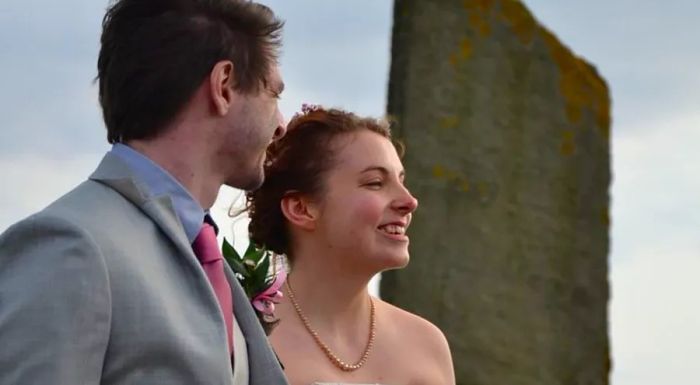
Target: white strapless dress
339,383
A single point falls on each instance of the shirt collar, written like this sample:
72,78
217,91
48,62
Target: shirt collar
157,182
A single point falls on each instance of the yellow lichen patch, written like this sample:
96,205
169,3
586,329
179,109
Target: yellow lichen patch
449,122
454,177
465,48
580,85
464,52
454,60
514,13
602,109
484,29
475,19
478,20
573,112
605,216
482,5
438,171
568,146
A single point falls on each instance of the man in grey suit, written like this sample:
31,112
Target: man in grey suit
104,286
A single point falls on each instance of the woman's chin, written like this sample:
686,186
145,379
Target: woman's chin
393,262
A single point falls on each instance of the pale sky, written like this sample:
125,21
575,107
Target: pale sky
337,53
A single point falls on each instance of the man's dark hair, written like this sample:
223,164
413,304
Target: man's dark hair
156,53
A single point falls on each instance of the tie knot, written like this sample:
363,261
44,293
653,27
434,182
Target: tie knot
205,246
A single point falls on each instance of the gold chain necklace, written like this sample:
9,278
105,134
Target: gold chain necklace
329,353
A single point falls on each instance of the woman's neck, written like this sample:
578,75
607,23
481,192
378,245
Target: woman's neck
334,300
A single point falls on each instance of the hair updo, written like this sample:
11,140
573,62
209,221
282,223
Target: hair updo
298,162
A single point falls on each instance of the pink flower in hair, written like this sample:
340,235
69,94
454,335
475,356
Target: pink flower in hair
307,108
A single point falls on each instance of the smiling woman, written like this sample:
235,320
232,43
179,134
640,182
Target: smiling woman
334,202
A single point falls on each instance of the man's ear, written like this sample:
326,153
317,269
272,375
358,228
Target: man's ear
299,210
221,86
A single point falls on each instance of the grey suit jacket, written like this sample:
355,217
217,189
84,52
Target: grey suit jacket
102,287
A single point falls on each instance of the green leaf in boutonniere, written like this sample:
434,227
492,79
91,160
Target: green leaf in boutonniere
260,275
261,287
233,259
254,254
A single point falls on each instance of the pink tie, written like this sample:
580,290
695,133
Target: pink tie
206,248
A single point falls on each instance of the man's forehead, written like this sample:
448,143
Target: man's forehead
275,79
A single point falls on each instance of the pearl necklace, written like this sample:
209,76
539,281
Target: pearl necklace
329,353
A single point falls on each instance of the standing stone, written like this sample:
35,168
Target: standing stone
507,134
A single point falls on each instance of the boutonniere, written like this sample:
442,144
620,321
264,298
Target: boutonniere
260,281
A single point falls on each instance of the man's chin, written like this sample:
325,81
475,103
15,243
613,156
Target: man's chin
248,183
255,185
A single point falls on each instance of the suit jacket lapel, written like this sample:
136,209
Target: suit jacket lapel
115,174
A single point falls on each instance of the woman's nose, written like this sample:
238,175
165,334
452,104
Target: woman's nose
407,203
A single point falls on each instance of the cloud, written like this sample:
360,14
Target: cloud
656,185
48,102
32,181
656,252
654,313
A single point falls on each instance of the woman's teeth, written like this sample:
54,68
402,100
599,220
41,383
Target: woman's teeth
393,229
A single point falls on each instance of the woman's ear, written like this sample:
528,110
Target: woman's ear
299,210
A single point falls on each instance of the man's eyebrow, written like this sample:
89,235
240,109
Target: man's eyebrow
280,87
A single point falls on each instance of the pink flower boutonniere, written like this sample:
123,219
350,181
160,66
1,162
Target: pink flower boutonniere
257,271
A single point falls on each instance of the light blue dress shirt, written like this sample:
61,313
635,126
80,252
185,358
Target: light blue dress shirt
158,182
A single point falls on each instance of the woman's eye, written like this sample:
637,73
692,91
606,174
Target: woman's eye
375,184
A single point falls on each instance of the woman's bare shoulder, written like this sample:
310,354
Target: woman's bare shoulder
407,323
422,335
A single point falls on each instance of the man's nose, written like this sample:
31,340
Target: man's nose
281,126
